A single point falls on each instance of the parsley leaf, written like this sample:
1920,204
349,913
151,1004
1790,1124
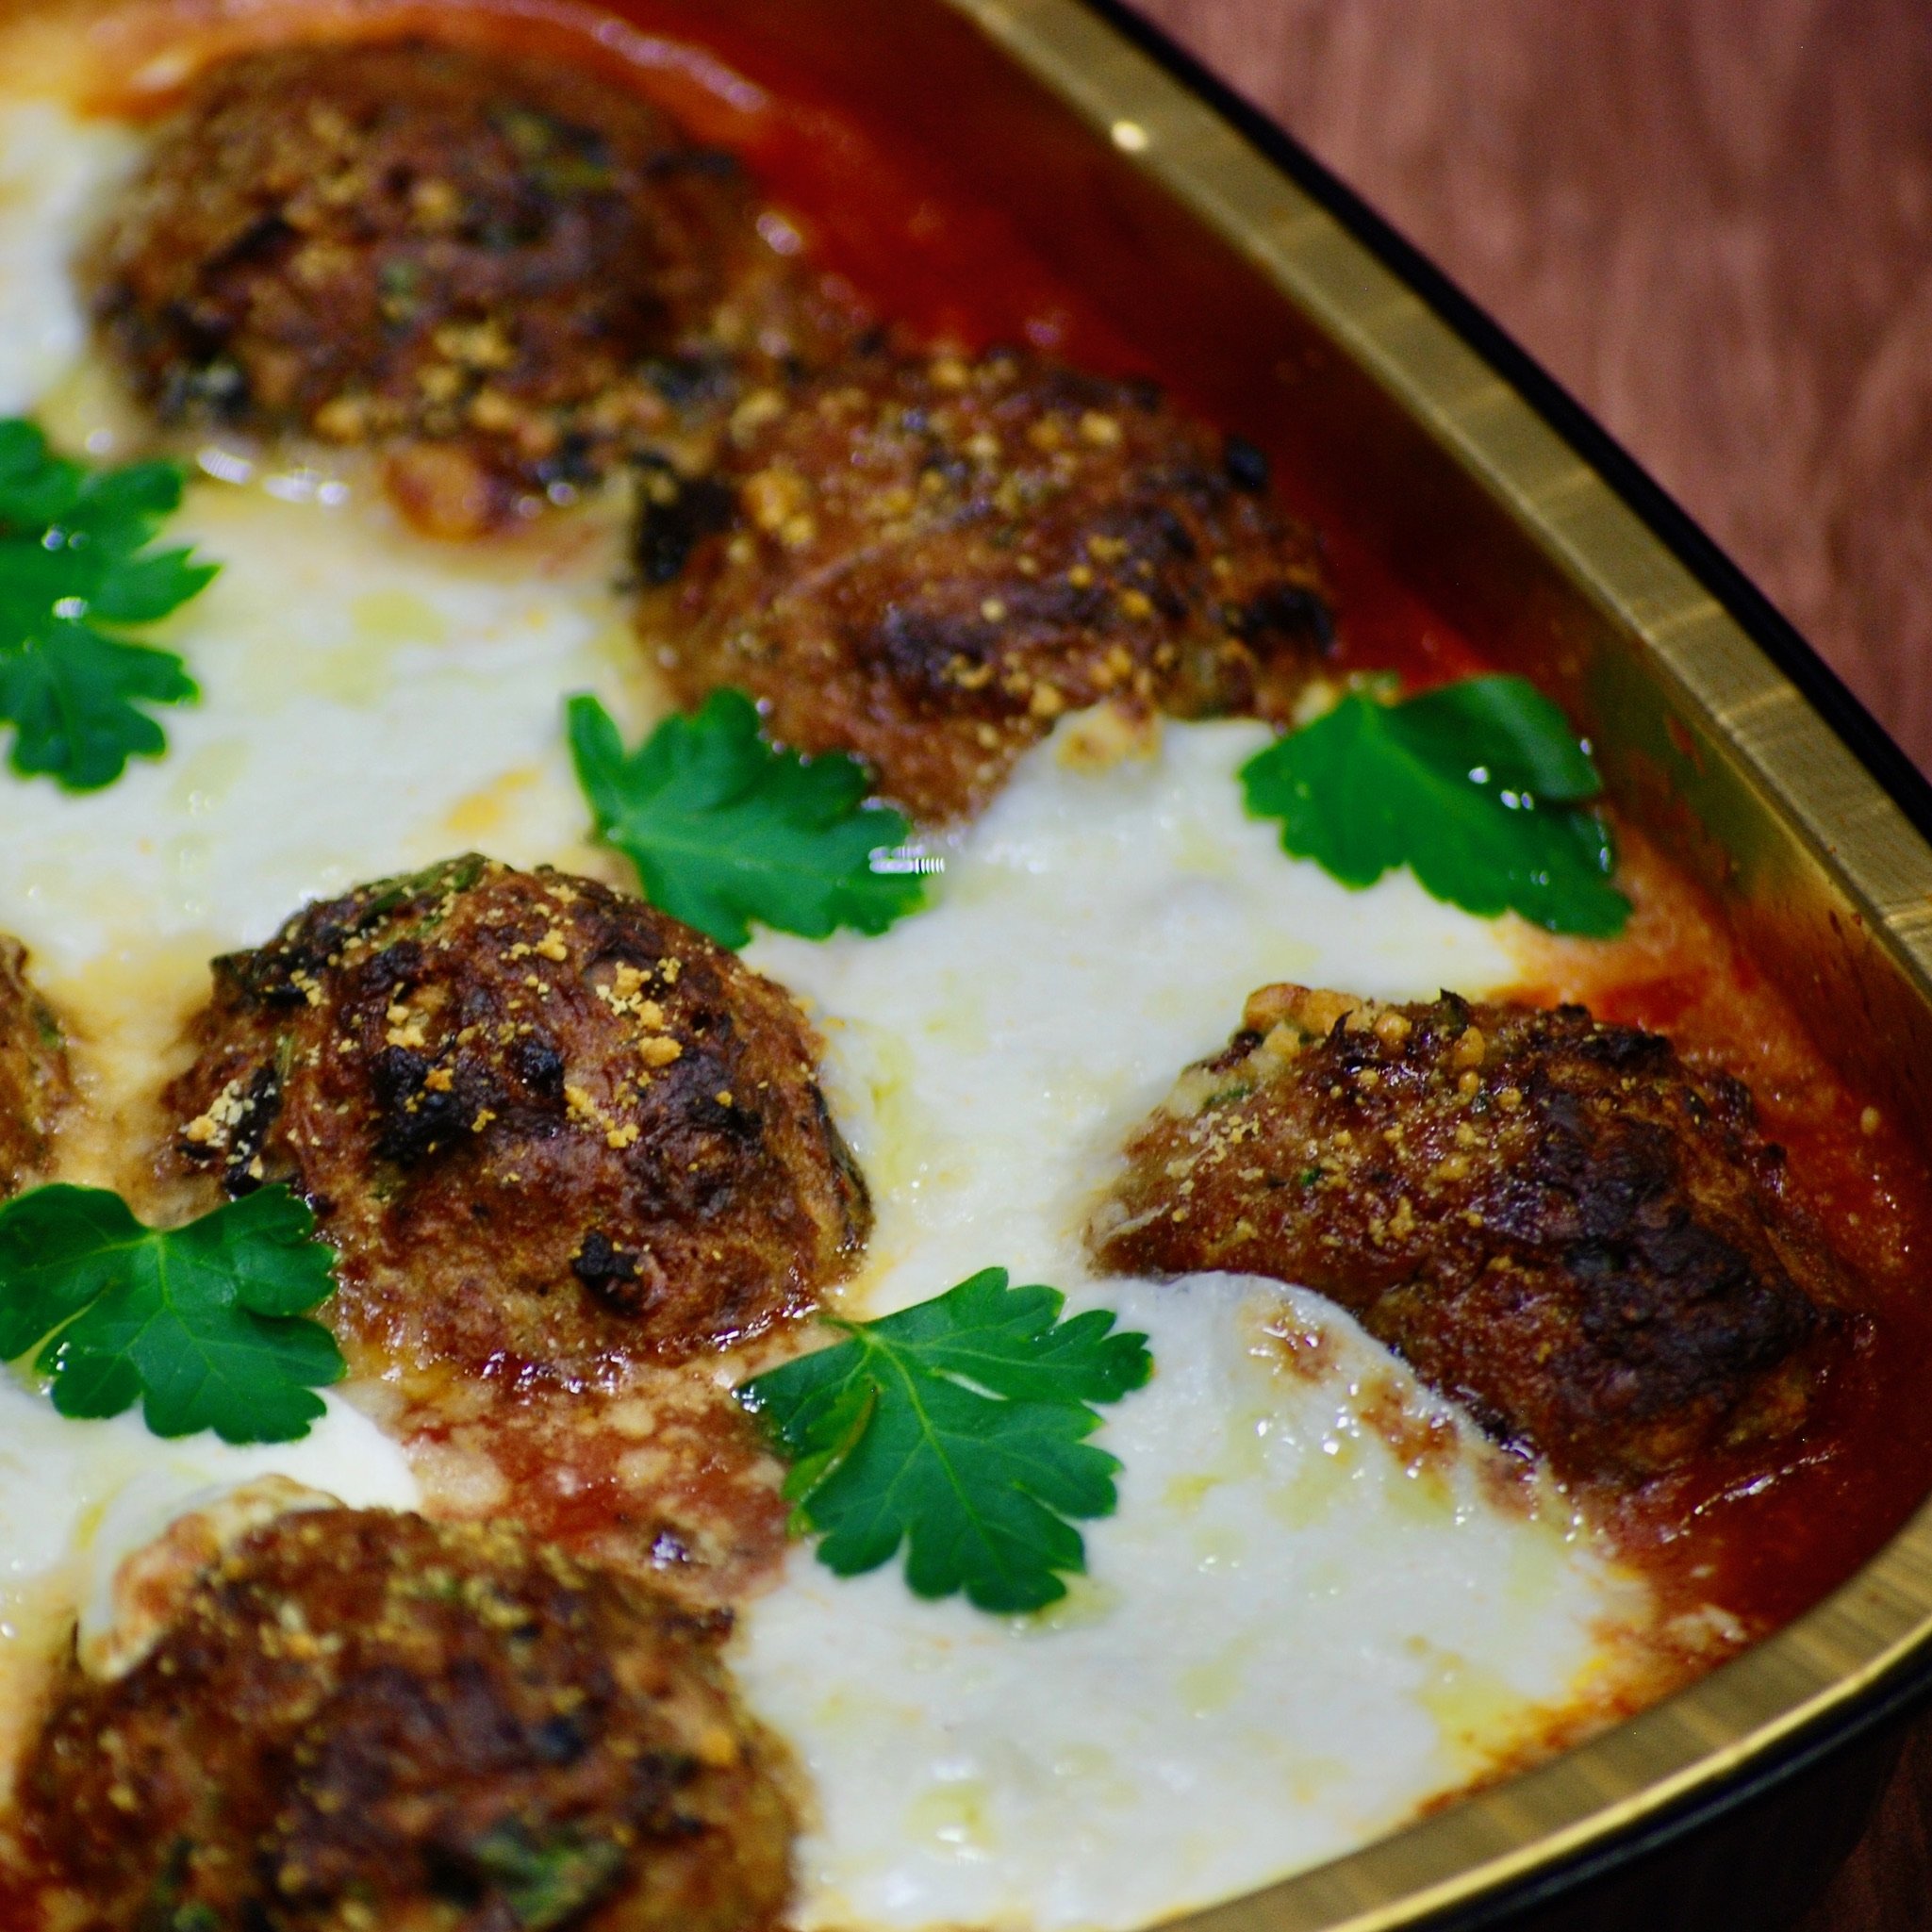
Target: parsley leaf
1478,787
546,1882
199,1323
73,560
957,1427
723,828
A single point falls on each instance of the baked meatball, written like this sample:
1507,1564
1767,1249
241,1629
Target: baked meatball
548,1128
34,1081
478,262
925,562
1556,1220
362,1719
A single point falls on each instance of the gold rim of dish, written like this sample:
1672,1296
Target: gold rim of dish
1835,1657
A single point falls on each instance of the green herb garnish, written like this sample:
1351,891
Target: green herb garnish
545,1883
200,1323
723,828
957,1427
74,572
1478,787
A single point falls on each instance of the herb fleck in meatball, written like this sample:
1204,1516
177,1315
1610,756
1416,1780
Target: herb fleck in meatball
549,1129
358,1719
34,1083
474,260
1556,1220
926,563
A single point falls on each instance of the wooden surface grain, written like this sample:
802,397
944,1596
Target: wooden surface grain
1711,220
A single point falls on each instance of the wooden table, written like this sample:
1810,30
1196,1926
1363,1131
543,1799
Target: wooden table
1711,220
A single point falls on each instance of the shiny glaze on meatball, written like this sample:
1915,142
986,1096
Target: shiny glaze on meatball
1557,1221
549,1130
925,562
491,267
362,1719
35,1083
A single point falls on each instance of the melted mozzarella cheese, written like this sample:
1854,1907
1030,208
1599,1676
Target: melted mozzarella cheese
1289,1636
1092,935
53,170
120,1486
370,704
1294,1631
1320,1603
97,1489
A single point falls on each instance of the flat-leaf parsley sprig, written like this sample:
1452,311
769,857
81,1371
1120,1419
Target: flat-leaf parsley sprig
200,1325
725,829
75,571
1481,789
958,1428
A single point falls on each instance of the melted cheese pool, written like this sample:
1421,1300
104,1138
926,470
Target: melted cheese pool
1323,1600
1296,1629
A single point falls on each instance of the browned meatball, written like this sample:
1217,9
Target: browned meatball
1554,1220
363,1719
34,1081
548,1128
925,563
474,260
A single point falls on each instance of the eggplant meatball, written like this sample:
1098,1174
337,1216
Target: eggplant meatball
361,1718
924,563
1557,1221
34,1080
471,259
548,1128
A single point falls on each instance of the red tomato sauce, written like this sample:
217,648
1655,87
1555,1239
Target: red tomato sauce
1767,1536
1763,1539
873,208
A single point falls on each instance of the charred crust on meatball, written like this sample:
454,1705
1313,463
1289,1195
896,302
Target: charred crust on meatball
924,561
674,514
36,1084
549,1129
479,263
1556,1220
355,1717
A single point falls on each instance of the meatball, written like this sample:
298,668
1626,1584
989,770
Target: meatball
925,562
549,1129
1557,1221
471,259
34,1081
363,1719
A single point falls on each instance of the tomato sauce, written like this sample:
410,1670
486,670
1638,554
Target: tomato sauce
663,1476
1763,1539
1767,1536
855,194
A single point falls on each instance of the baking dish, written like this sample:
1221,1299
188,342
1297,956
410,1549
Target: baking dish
1224,252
